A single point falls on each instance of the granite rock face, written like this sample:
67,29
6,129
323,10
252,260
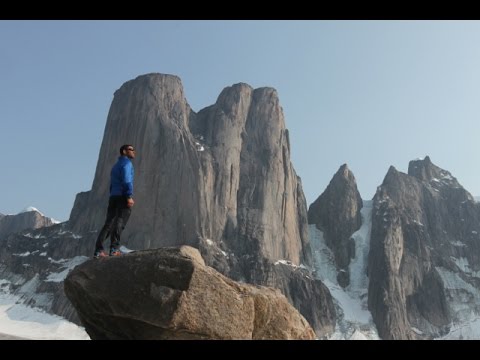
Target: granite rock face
222,174
150,113
424,253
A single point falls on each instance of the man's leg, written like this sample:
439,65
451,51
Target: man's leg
122,219
112,213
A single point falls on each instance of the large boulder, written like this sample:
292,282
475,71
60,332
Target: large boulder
169,293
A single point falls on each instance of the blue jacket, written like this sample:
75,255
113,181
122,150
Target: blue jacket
121,178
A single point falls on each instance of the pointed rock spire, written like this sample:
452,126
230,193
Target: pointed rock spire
337,213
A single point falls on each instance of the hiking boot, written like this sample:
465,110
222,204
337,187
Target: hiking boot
115,252
99,254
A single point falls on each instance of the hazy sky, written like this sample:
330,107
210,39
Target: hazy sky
367,93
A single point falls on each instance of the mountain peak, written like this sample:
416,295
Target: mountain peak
337,213
28,218
392,173
34,209
344,172
29,209
425,170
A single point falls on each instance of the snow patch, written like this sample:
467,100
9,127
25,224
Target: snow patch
199,146
29,209
462,264
289,263
468,330
358,335
448,177
417,331
63,232
125,250
462,299
22,254
19,320
38,236
418,223
68,266
354,320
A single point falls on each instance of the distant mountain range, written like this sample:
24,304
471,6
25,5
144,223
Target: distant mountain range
29,218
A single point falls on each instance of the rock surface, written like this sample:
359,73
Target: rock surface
424,253
22,221
169,293
337,213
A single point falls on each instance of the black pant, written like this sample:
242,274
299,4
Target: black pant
118,214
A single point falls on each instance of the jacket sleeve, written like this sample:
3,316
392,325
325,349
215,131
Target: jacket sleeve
127,177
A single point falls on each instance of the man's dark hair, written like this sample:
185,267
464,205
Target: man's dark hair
124,147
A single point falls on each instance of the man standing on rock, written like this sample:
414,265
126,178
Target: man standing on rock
120,202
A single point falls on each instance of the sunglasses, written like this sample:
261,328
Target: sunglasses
131,149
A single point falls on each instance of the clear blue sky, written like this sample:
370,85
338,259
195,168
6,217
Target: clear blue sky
367,93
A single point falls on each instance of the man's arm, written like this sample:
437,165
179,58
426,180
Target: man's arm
127,176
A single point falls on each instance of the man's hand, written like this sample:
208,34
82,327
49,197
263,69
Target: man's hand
130,202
